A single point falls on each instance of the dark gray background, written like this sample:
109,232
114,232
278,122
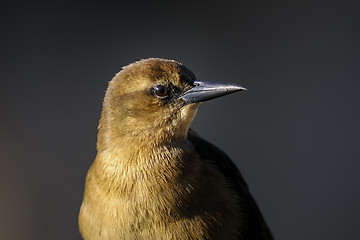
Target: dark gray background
294,134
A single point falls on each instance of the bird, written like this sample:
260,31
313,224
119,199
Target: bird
153,177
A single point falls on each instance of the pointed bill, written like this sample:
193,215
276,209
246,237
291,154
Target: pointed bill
204,91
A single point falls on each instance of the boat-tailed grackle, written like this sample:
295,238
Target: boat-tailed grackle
153,178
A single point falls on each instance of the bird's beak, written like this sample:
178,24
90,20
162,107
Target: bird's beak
203,91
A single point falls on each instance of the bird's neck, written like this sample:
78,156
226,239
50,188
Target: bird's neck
118,129
148,171
143,155
116,137
140,144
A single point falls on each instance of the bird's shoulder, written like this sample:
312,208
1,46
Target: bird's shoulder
209,152
257,228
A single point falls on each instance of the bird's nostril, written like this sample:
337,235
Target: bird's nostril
196,83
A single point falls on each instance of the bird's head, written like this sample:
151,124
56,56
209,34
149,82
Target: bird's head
154,100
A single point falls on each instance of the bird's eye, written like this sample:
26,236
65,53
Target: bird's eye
160,91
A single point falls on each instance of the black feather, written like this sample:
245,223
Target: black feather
256,227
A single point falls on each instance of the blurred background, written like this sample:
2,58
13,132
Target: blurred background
294,134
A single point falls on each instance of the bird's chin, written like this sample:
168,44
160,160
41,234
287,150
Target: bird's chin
188,113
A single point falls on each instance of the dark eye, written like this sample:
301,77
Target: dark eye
160,91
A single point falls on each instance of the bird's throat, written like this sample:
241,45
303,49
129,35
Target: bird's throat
119,131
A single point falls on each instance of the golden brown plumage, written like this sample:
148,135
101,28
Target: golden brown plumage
150,178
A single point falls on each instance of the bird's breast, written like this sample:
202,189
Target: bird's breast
167,194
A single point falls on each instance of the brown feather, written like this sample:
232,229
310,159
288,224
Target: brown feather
149,180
